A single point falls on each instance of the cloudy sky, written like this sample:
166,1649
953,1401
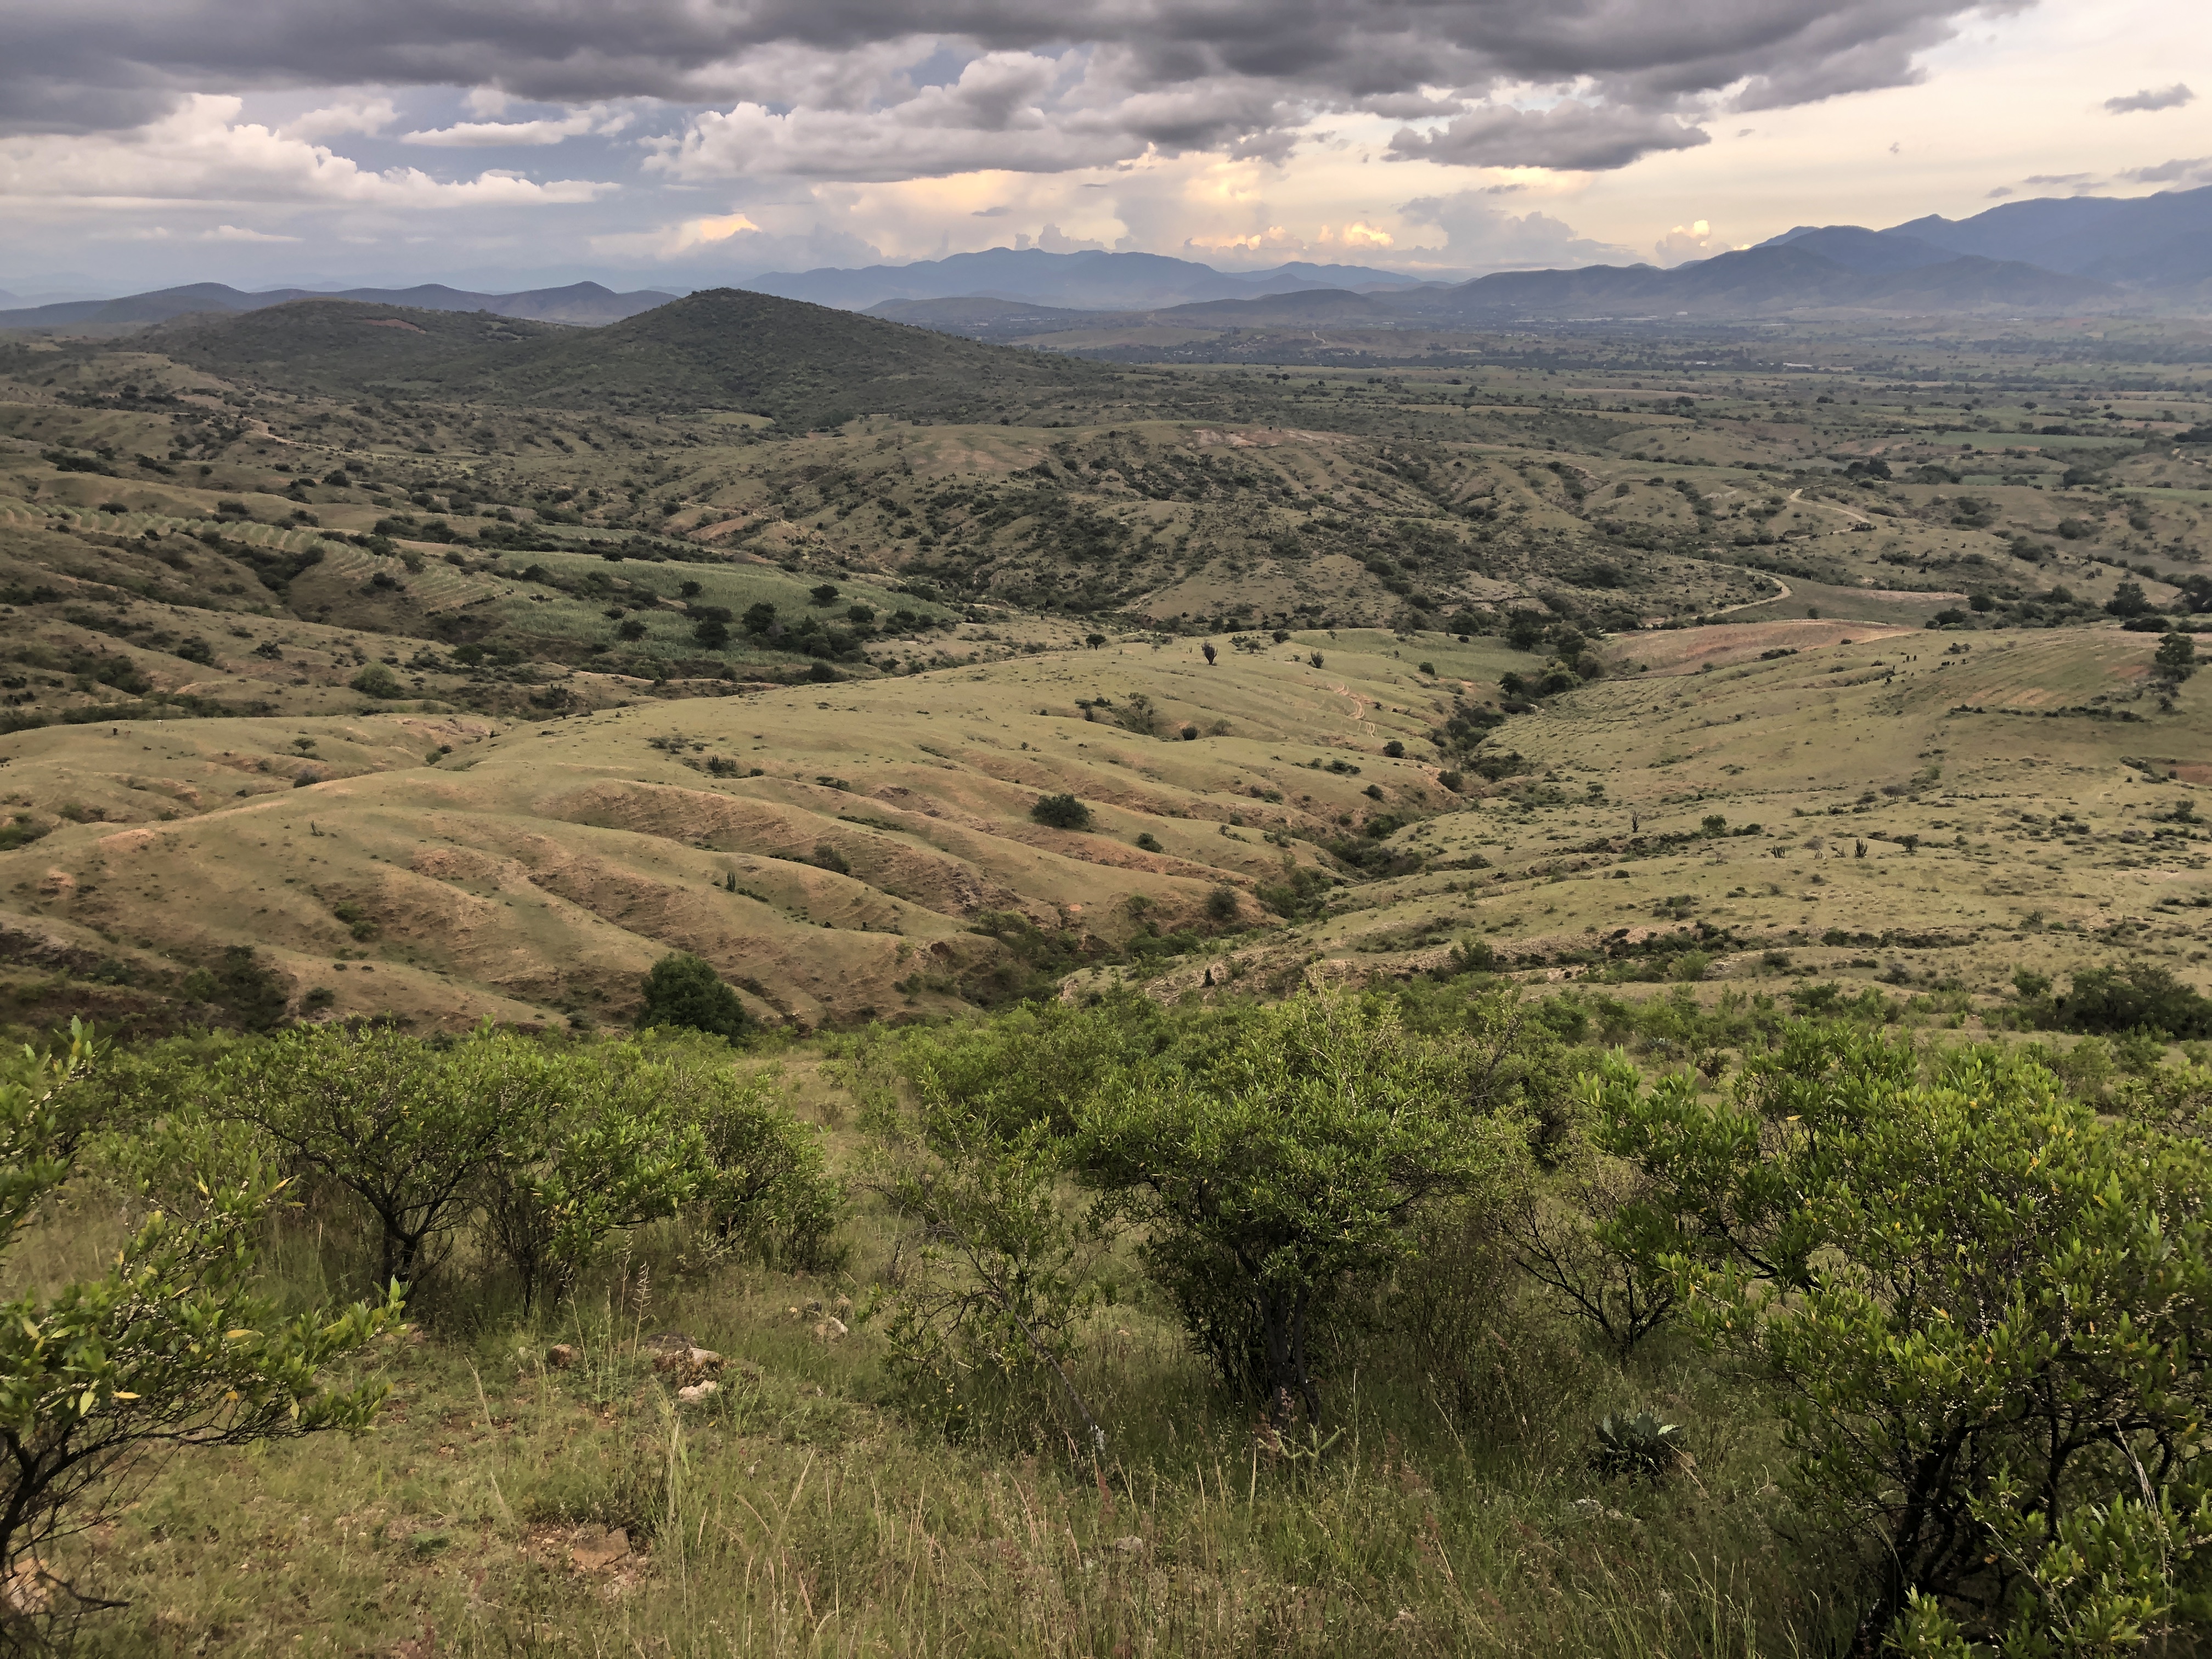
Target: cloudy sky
682,142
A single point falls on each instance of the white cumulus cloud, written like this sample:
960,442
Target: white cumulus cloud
201,151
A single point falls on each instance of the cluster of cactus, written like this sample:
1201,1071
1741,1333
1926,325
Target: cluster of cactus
1640,1447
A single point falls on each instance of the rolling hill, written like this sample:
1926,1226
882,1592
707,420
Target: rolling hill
804,366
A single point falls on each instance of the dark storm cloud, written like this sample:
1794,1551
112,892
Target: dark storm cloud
1568,135
1176,74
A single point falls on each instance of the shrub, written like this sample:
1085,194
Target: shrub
684,990
2111,1000
606,1147
762,1182
1977,1307
168,1348
407,1126
376,679
2175,661
1061,812
1277,1158
990,1305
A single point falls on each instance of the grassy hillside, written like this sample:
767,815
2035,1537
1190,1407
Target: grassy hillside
868,850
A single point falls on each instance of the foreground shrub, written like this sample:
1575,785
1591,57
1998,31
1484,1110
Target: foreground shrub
1278,1157
407,1126
986,1304
1980,1310
761,1182
168,1348
607,1148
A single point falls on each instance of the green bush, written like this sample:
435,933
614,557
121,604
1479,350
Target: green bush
684,990
376,679
1976,1306
170,1346
408,1126
1274,1158
1061,812
762,1183
986,1307
2141,995
605,1148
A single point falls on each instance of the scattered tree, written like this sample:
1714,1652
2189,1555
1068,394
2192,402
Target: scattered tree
1061,812
684,990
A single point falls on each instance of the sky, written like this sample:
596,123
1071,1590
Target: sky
680,143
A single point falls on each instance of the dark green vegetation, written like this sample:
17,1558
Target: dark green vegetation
1419,1317
682,990
804,365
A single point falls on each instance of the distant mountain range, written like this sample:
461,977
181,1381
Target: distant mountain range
579,302
1084,282
2060,254
2084,253
1790,277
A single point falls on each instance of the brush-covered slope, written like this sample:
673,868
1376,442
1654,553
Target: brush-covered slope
338,347
804,366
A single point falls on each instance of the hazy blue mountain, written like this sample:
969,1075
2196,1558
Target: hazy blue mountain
2152,239
1082,282
578,302
1788,277
1872,252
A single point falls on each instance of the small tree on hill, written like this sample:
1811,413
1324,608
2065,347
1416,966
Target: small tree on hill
2175,659
1061,812
682,989
377,680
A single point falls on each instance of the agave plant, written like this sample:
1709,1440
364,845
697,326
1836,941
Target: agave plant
1640,1447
